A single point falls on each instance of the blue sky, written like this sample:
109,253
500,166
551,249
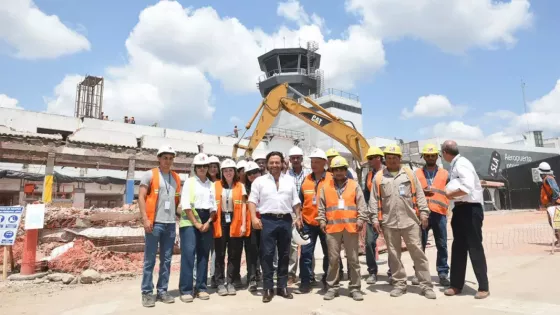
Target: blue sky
476,60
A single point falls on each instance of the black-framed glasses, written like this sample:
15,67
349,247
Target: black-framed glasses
253,172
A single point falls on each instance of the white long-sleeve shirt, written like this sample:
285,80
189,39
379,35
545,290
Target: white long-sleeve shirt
204,195
270,200
462,175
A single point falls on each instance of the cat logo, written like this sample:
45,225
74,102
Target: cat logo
316,119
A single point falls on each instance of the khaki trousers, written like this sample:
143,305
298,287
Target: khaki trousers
412,237
351,246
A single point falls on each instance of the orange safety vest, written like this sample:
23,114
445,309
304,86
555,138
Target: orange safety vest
309,190
546,192
340,219
153,193
438,202
379,178
235,227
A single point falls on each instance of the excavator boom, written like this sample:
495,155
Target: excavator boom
277,100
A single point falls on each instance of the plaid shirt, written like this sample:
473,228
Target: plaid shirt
298,178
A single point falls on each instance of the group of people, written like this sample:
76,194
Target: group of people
256,207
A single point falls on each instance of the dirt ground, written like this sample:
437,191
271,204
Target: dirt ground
523,280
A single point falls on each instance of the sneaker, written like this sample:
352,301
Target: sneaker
222,291
253,286
303,289
186,298
357,296
481,295
451,291
148,300
444,281
203,295
372,279
231,289
415,281
238,284
331,294
165,298
396,292
429,294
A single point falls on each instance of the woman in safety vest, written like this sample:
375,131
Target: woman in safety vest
252,251
231,226
198,202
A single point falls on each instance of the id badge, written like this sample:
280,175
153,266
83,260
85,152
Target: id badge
167,205
402,190
340,203
314,200
228,217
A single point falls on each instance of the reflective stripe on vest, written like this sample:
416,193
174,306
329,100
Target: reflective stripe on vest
153,193
438,202
235,227
309,190
369,182
339,219
379,178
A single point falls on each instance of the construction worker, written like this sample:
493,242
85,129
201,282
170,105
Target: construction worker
309,196
342,213
260,159
550,194
198,201
158,198
398,205
375,161
433,180
298,172
230,228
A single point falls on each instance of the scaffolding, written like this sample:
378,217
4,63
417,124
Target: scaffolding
89,98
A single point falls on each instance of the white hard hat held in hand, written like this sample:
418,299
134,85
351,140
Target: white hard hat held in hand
299,237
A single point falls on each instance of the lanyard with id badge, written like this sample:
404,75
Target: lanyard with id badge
339,192
167,203
227,214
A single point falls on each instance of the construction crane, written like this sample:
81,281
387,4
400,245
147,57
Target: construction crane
278,100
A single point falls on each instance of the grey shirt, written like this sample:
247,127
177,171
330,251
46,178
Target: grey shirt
167,188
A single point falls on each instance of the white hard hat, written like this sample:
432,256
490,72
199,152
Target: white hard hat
295,151
166,149
251,166
228,163
544,168
259,156
213,159
241,164
201,159
300,238
318,153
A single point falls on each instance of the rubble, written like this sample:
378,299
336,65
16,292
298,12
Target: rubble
90,276
20,277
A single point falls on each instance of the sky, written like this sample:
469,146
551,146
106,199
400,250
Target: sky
422,68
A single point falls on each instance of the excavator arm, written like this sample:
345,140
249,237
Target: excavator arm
277,100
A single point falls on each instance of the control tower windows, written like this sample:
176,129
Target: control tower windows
289,63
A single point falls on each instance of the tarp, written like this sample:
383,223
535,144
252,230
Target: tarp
60,178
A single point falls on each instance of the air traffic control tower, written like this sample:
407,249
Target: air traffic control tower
300,68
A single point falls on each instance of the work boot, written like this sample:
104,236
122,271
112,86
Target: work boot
357,296
396,292
429,294
252,286
481,295
313,282
186,298
451,291
330,295
231,289
372,279
444,281
213,283
303,289
148,300
165,298
203,295
292,279
222,291
415,281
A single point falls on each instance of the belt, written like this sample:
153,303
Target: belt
202,210
276,215
462,203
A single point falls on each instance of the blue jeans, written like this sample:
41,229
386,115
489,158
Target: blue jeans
306,259
371,245
276,234
193,242
438,223
163,234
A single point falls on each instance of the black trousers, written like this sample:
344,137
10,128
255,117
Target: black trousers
234,247
253,255
467,240
276,234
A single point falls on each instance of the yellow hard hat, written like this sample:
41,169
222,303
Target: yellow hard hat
393,149
332,152
339,161
374,151
430,149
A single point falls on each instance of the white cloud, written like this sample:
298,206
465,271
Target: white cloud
34,34
453,25
502,137
500,114
293,11
236,121
8,102
457,130
433,106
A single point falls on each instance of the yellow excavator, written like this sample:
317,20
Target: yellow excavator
278,100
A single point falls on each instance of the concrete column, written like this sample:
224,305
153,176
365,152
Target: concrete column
21,200
48,182
79,199
129,191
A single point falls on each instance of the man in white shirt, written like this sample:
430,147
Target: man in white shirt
276,197
465,191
